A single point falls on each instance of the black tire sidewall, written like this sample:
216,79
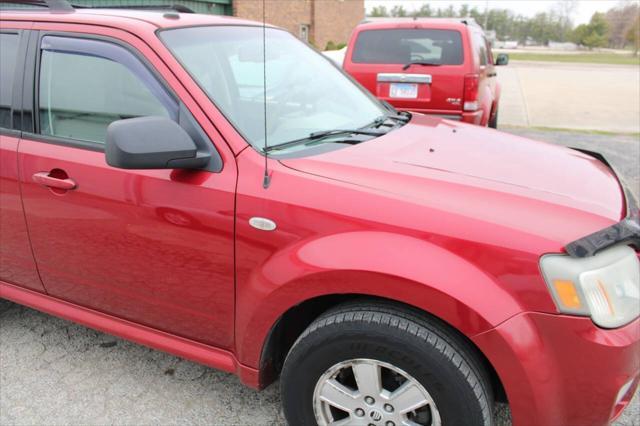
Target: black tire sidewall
454,397
493,122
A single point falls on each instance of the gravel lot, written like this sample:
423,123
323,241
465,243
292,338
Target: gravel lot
53,372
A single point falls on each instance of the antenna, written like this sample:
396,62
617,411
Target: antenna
267,179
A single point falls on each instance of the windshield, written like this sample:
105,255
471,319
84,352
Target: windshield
305,93
403,46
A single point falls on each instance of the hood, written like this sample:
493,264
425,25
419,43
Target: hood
433,158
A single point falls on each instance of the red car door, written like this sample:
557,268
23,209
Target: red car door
151,246
16,260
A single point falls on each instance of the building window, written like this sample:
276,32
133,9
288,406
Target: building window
304,32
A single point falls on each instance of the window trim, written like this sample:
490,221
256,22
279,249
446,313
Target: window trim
35,112
31,94
15,104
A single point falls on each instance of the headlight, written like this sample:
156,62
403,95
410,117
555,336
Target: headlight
605,287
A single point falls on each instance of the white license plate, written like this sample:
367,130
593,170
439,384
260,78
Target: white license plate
403,90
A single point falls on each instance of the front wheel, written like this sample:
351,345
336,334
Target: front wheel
378,364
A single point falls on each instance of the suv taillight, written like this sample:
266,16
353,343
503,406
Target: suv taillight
471,92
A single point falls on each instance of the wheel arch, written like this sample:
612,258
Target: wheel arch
311,276
292,324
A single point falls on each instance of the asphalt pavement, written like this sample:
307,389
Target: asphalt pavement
570,95
54,372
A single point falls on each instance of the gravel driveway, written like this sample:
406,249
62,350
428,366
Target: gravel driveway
53,372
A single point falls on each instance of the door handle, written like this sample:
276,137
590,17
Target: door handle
492,74
43,178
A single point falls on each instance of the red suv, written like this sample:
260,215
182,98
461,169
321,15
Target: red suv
390,268
435,66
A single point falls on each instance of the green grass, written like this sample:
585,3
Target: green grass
594,58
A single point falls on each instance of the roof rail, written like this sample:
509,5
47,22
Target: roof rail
65,6
166,7
53,5
466,21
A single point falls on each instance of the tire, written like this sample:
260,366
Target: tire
493,121
398,343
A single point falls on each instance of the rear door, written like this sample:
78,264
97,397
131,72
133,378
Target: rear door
151,246
378,59
16,260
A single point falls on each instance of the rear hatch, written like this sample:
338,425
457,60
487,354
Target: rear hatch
378,59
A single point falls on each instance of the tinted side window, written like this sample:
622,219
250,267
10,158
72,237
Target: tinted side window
8,60
480,47
401,46
81,94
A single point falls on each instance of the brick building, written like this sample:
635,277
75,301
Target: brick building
316,21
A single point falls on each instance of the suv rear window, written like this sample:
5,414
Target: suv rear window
401,46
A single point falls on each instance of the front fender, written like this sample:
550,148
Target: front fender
382,264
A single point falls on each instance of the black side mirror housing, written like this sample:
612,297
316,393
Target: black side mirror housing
152,143
502,59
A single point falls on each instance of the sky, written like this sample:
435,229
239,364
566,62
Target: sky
584,8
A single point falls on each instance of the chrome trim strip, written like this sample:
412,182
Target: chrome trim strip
404,78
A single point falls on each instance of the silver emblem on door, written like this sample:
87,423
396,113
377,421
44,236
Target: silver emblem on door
262,223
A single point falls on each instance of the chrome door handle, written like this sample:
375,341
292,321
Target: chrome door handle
43,178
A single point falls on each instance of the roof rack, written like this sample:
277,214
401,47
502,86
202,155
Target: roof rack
166,7
65,6
53,5
466,21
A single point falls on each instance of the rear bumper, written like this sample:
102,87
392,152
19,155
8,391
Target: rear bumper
474,117
563,370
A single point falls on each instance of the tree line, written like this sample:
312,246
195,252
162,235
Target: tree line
617,28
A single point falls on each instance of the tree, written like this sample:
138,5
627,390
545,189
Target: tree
621,20
398,11
464,11
565,9
593,34
425,10
379,12
449,12
633,36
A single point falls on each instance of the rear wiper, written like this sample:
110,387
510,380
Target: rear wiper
316,136
423,63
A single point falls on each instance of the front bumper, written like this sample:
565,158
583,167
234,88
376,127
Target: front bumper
563,370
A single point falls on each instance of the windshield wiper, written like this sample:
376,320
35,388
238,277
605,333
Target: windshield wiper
423,63
317,136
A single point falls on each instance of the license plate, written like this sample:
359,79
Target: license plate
403,90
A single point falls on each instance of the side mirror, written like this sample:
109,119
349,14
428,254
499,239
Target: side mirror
502,59
151,143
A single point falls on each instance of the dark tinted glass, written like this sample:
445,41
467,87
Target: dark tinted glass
8,58
401,46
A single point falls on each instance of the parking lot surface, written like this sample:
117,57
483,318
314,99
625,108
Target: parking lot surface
54,372
570,95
